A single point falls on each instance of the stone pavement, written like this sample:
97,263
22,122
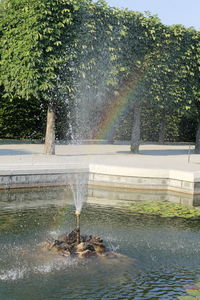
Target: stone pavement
152,156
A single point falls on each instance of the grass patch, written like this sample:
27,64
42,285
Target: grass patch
165,209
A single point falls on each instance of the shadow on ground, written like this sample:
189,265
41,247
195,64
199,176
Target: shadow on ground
169,152
89,154
4,152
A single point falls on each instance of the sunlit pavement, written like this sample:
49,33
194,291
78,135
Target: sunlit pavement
152,156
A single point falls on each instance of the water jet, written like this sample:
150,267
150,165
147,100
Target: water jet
78,213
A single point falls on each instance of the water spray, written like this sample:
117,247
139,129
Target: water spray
78,213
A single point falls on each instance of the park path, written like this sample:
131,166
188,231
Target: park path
152,156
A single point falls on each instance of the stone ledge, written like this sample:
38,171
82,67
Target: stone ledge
145,172
145,179
101,175
25,178
42,169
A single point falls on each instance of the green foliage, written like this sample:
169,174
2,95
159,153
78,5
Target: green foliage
25,119
56,51
178,128
62,121
22,119
33,45
165,209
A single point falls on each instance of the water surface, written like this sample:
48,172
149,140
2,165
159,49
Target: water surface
162,254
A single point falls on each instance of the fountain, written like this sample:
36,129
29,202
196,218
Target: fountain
73,243
76,245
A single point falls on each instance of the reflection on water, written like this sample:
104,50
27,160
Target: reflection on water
166,251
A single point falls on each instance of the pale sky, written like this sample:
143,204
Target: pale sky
185,12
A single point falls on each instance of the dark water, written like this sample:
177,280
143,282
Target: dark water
162,254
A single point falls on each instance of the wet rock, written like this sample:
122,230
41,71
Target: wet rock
99,248
81,247
86,254
66,245
69,238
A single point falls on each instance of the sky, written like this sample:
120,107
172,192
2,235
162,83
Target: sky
185,12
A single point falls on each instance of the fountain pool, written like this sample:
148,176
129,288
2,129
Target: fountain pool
166,251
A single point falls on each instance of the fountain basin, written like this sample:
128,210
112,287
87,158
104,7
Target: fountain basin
166,251
186,185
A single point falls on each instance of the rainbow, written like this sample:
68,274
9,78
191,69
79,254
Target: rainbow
118,105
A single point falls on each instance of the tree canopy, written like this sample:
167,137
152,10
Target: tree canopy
80,57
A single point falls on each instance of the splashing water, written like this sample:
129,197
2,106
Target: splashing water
79,187
34,262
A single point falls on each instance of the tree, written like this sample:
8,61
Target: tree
35,44
142,35
67,54
192,76
166,89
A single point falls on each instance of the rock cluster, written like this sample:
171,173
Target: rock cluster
66,245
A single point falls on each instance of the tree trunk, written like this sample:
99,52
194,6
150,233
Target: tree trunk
197,143
135,137
49,147
111,135
162,130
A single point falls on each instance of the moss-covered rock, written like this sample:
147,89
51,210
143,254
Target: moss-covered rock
192,290
165,209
